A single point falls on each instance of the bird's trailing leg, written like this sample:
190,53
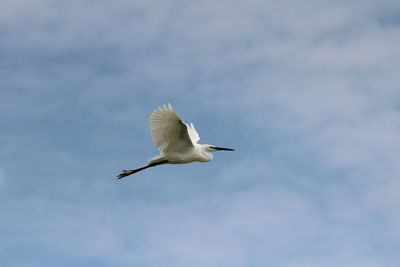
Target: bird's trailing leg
125,173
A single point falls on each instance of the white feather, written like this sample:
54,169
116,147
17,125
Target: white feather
169,132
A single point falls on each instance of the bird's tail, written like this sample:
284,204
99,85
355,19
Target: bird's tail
158,159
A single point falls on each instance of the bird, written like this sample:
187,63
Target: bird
176,141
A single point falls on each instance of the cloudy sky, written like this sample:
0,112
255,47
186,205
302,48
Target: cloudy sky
307,92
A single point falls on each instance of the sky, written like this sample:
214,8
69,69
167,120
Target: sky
306,92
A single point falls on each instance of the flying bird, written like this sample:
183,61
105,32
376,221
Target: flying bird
176,140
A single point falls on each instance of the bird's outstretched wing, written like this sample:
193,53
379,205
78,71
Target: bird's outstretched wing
169,132
193,134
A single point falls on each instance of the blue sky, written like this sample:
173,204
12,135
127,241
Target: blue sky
307,93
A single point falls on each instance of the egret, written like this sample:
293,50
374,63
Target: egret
176,140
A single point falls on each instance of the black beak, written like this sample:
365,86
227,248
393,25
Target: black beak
222,148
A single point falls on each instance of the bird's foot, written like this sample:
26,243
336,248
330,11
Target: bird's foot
124,173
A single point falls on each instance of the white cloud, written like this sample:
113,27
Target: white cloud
317,77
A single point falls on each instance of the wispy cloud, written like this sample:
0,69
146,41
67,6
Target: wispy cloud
306,93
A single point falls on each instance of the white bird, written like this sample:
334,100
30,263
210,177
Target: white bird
176,140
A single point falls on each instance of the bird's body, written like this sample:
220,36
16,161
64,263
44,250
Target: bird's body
190,154
176,140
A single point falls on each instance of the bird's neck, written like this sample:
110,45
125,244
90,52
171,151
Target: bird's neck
205,153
